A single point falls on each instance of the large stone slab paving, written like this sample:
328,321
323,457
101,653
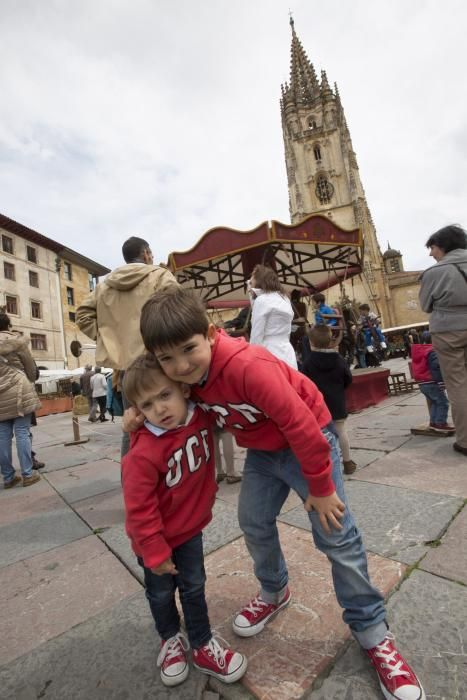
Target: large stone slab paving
399,418
40,533
103,510
46,595
222,529
394,522
87,480
450,558
117,541
58,457
377,438
429,618
302,640
19,503
364,457
423,464
111,656
229,493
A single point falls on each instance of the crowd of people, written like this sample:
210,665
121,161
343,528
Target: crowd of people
188,386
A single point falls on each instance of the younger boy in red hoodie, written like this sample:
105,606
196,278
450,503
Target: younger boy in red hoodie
169,487
280,416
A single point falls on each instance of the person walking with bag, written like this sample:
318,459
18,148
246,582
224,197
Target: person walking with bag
18,401
443,294
99,395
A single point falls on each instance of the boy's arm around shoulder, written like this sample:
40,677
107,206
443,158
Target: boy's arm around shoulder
274,387
144,522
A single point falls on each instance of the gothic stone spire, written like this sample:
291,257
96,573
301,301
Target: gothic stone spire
303,85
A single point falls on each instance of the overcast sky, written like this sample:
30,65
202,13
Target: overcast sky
161,119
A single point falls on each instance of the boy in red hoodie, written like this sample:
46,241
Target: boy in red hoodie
427,373
169,489
280,416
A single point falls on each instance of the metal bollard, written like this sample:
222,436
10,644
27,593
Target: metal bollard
78,440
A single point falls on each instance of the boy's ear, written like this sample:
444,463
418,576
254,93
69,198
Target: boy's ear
211,334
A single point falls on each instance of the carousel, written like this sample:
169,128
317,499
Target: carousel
310,256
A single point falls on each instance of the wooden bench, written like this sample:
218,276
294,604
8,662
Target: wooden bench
399,384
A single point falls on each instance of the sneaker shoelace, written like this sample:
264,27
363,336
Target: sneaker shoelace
389,655
217,651
172,648
256,605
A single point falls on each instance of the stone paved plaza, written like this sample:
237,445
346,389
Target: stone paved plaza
75,623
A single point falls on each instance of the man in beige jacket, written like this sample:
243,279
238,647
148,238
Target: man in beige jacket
110,315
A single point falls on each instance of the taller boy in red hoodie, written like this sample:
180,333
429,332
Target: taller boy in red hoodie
280,416
169,490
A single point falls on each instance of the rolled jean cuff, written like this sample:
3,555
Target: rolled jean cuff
273,598
371,636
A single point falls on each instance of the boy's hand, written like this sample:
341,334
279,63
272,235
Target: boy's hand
132,420
329,508
167,567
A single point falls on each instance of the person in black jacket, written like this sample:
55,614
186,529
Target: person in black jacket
327,369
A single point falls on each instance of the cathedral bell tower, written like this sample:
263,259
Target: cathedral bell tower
322,171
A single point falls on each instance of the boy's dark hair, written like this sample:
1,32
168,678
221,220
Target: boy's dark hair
448,238
139,377
172,316
319,298
320,336
5,323
267,279
363,307
133,249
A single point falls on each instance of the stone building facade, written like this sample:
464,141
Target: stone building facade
42,283
323,178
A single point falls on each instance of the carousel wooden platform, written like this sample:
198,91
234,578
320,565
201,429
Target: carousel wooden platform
369,387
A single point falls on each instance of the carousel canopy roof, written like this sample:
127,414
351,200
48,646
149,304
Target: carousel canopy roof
312,255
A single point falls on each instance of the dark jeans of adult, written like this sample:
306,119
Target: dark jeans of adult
451,348
190,581
102,401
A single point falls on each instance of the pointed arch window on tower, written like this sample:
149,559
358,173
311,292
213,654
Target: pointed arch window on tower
317,153
324,190
312,123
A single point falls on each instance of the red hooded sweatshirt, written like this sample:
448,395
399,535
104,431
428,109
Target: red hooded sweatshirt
420,367
268,405
169,487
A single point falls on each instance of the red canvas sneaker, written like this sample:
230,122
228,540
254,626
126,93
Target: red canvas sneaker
172,660
443,427
396,678
253,617
219,661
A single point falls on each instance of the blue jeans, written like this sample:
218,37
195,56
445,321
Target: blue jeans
267,480
190,580
439,402
369,336
361,357
21,428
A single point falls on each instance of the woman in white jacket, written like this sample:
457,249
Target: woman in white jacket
271,318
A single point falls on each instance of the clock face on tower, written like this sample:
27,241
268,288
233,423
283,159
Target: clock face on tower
324,190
